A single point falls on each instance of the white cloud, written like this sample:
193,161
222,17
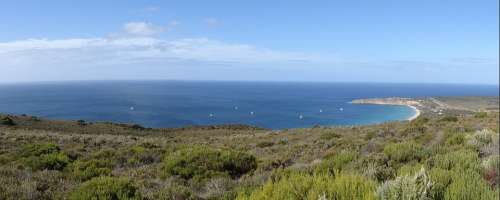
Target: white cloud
142,28
126,50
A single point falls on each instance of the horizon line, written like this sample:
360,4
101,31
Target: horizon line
256,81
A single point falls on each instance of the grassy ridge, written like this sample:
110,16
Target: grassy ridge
433,157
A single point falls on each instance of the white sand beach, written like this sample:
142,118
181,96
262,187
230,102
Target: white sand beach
413,104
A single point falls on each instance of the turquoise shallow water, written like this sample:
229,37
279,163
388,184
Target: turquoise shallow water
182,103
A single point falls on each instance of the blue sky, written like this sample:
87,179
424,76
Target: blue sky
353,41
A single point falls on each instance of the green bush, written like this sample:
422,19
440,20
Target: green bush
482,140
87,169
39,149
441,179
265,144
410,169
300,185
457,160
51,161
44,156
140,155
449,119
404,152
481,115
336,161
469,185
174,192
456,139
105,188
329,136
7,121
491,166
407,187
204,162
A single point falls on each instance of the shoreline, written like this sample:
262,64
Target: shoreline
396,101
417,113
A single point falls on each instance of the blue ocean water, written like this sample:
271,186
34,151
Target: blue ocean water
181,103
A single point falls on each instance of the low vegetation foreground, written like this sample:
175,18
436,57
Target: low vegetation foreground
450,156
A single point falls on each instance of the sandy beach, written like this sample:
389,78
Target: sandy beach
413,104
417,113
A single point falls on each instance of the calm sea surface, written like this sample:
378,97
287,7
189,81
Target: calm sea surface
182,103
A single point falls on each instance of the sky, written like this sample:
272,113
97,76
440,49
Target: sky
414,41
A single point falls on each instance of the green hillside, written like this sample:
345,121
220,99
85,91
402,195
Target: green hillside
432,157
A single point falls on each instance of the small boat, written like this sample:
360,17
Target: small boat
211,115
132,108
320,110
236,108
301,116
252,113
341,109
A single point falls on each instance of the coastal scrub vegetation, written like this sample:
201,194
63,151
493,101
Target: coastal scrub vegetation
432,157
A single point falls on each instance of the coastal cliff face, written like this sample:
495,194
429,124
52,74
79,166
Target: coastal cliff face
388,101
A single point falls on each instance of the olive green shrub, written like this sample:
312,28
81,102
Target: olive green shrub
336,161
404,152
106,188
204,162
468,185
301,185
416,187
46,156
87,169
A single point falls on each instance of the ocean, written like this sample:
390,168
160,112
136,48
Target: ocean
274,105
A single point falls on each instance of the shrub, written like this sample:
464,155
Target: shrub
481,115
137,127
39,149
105,188
138,155
407,170
174,192
449,119
265,144
85,170
485,141
457,160
337,161
51,161
441,179
45,156
404,152
414,128
407,187
300,185
204,162
491,167
469,185
81,122
456,139
7,121
329,136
